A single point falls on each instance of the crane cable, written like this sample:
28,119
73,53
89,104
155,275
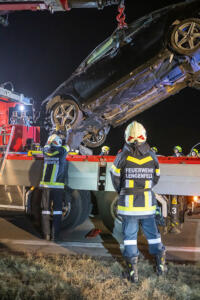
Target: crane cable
121,16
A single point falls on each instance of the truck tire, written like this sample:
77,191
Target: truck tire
107,207
79,208
86,207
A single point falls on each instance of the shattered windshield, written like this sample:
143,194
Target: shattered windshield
101,50
105,48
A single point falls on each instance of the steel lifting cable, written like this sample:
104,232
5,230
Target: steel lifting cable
121,16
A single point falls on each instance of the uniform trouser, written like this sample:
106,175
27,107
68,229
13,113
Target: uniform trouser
130,227
51,199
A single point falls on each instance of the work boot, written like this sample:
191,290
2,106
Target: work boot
132,270
161,267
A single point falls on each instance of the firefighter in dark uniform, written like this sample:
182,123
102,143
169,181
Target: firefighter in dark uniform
53,178
178,151
194,153
134,172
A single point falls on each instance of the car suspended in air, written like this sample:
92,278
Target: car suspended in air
135,68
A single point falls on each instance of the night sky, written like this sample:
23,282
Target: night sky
40,50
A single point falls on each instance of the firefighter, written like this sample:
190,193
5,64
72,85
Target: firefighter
178,151
105,150
134,172
154,149
52,182
194,153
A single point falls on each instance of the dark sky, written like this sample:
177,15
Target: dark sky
40,50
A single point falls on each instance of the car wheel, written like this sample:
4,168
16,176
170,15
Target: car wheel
94,138
66,114
185,37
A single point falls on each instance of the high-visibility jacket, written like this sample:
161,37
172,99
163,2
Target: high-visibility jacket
54,171
134,172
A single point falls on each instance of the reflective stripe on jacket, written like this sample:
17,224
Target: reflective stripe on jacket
54,170
133,174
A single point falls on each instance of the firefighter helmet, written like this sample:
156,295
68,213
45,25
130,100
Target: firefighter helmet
135,132
154,149
55,140
195,151
105,149
179,148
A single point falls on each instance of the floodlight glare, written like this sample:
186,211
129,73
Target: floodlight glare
21,107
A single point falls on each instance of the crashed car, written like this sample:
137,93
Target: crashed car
153,58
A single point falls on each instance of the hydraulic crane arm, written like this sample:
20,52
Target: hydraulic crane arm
7,96
54,5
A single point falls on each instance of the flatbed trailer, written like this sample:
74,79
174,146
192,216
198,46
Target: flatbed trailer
88,180
179,175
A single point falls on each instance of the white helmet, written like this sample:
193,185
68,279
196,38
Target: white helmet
135,132
105,149
55,140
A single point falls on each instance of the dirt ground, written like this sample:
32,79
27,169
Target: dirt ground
25,276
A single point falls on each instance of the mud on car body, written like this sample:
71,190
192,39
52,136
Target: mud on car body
155,57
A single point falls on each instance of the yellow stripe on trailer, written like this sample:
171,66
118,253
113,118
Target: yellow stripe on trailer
34,152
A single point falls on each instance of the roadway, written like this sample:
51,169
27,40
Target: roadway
18,235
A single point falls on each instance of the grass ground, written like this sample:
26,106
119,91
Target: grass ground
78,277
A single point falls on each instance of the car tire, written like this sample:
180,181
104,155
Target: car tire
66,113
185,36
93,139
107,205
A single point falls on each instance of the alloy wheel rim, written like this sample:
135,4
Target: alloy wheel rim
187,36
95,138
65,114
